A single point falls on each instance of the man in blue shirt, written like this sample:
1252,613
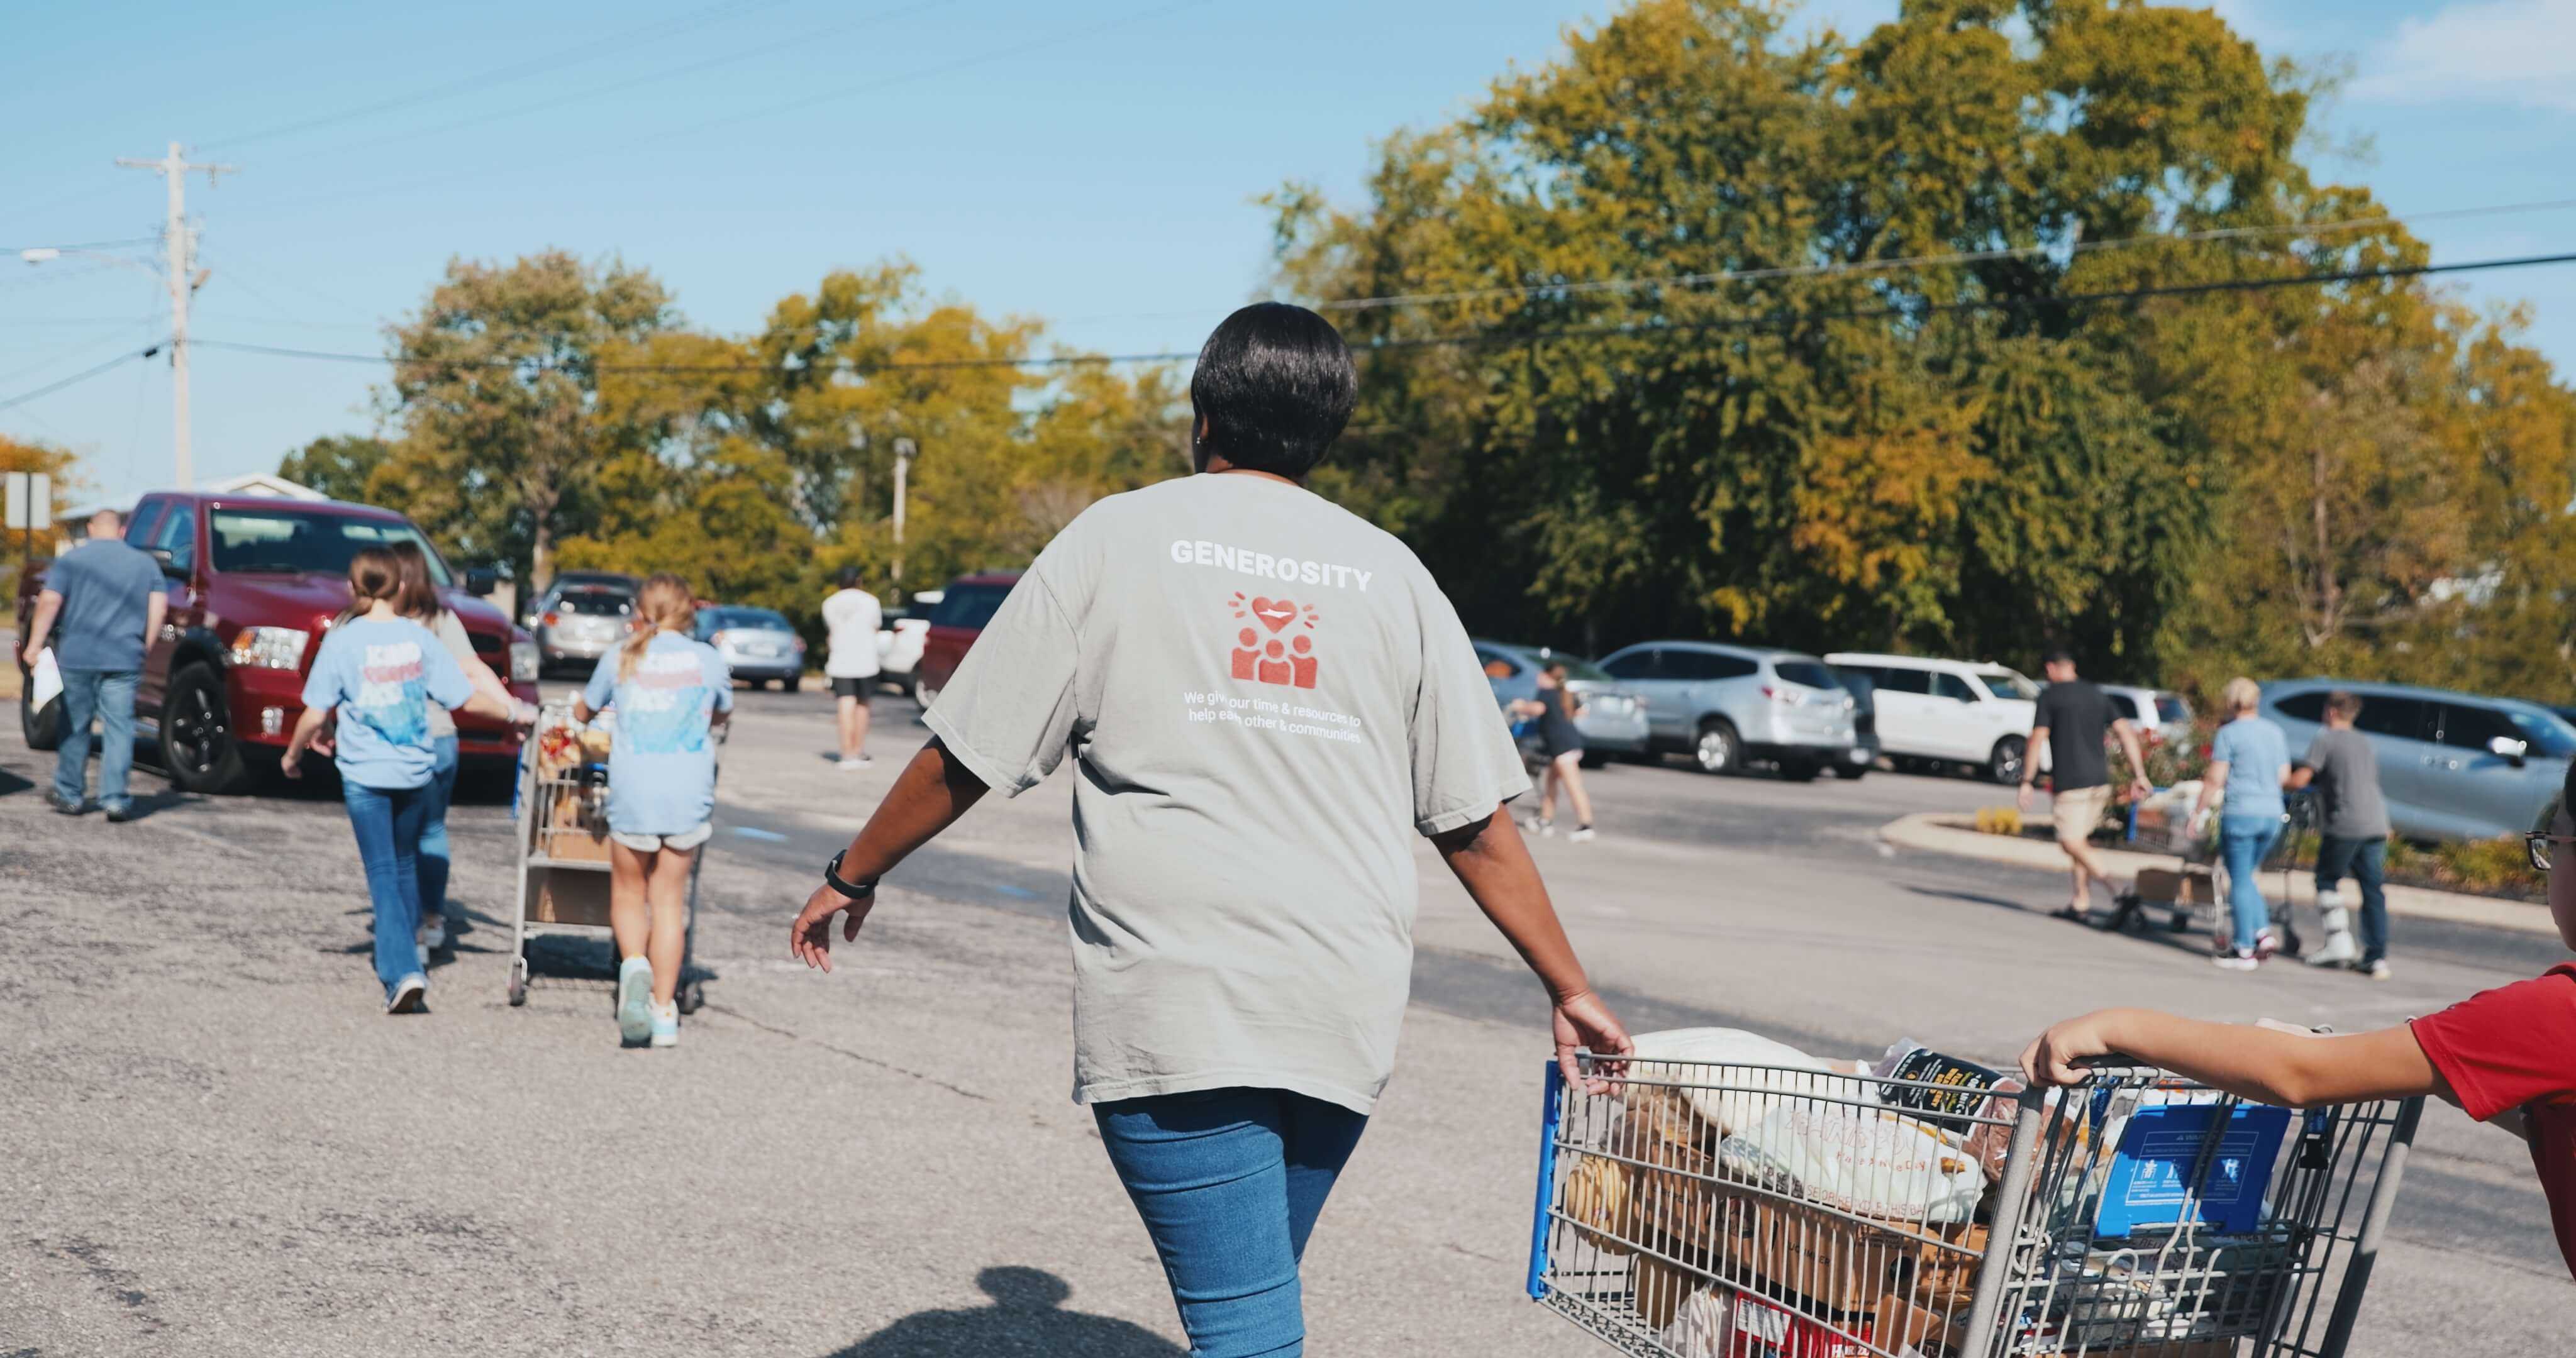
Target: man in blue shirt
109,599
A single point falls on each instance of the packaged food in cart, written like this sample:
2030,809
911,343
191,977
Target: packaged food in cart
1744,1241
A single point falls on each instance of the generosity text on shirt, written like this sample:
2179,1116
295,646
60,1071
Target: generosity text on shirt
1225,556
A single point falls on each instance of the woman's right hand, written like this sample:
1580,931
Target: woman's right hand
1583,1021
809,939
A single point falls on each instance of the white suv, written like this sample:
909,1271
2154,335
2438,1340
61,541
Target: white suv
1950,710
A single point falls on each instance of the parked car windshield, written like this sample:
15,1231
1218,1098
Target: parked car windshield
285,540
747,619
2170,709
2004,683
2549,736
1576,667
1811,673
595,603
969,605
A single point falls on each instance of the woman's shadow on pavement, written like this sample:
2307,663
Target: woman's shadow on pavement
1027,1317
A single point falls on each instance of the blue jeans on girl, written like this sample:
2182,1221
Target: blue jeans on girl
388,822
433,827
1229,1182
2243,841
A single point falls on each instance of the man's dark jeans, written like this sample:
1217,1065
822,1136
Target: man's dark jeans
107,697
2366,862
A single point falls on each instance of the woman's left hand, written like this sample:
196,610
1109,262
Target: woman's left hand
810,937
1583,1021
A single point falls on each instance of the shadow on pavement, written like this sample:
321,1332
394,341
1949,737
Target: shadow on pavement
154,804
11,784
1027,1317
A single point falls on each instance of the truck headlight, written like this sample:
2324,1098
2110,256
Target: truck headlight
270,648
523,662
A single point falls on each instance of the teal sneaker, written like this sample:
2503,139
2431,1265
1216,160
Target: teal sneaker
666,1025
635,1001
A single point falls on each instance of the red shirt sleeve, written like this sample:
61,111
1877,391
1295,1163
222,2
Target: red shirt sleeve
2505,1047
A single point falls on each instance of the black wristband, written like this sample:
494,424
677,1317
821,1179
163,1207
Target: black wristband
857,891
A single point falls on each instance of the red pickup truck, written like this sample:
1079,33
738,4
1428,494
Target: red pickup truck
254,582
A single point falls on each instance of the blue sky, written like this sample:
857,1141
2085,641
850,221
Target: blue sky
1090,165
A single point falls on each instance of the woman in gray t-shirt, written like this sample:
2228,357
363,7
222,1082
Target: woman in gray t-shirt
1270,700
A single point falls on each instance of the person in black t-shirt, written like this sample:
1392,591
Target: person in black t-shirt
2070,722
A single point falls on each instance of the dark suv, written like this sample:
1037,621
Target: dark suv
254,582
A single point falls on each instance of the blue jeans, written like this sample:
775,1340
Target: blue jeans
433,827
108,697
387,821
1229,1182
2243,841
2366,862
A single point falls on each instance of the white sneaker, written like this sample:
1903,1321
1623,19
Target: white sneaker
2266,943
1581,836
666,1024
421,952
635,1001
411,996
434,936
2235,961
850,764
2377,971
2339,951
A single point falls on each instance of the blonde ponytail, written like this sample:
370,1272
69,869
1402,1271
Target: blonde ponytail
664,604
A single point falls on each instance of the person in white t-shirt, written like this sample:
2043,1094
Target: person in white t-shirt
852,617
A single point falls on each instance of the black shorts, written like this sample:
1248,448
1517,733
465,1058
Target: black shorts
854,688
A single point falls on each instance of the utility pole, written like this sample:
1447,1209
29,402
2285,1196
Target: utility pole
184,278
903,451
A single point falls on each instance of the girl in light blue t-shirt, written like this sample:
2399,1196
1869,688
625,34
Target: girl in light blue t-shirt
379,671
670,693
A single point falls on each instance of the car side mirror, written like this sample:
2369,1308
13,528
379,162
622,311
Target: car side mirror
2509,749
481,581
170,566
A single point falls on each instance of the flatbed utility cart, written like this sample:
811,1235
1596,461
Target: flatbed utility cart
1704,1210
562,812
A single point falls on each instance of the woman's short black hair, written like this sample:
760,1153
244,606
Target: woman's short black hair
849,577
1274,386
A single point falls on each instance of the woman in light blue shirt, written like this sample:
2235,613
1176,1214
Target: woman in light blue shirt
2249,763
670,692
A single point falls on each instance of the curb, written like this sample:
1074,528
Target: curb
1924,831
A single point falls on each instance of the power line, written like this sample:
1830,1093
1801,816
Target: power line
502,75
82,376
630,82
773,111
1920,261
1780,320
82,245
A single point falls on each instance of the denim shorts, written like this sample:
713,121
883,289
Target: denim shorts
686,839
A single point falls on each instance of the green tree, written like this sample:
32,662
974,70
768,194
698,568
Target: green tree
338,465
1861,455
496,389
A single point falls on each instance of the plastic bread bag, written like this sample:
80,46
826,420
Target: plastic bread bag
1865,1160
1745,1076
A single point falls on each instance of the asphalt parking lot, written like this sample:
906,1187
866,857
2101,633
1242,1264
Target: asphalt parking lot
216,1145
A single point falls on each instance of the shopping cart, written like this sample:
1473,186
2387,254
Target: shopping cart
561,809
2194,891
1695,1211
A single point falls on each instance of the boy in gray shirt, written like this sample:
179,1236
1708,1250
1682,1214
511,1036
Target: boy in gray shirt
2353,840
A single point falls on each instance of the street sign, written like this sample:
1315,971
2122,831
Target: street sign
30,501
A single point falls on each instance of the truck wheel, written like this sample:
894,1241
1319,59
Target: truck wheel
197,744
41,727
1717,750
2004,765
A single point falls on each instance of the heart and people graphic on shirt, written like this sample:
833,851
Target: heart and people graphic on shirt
1291,662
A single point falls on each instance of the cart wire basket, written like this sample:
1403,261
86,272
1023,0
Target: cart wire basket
1700,1210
